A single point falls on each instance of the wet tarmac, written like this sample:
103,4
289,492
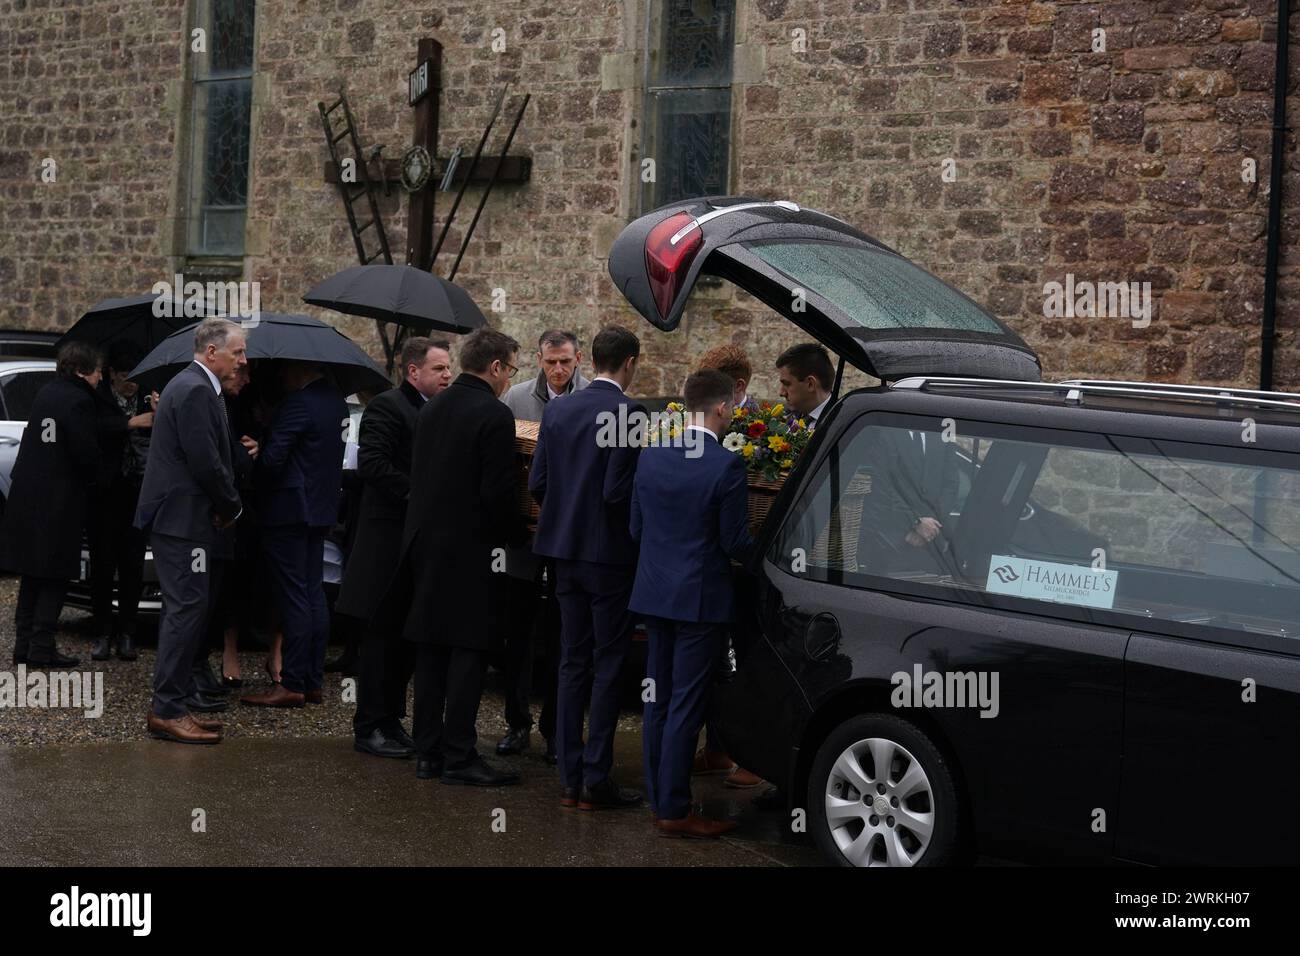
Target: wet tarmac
317,802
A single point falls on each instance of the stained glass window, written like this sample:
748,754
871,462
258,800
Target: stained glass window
220,113
688,99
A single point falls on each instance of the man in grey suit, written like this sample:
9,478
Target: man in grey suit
188,504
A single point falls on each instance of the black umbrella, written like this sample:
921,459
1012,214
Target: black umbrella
130,319
400,294
275,336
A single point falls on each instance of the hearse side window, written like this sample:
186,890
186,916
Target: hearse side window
1082,526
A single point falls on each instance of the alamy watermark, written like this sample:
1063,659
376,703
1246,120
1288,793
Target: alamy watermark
944,689
196,300
57,690
77,909
1098,300
636,429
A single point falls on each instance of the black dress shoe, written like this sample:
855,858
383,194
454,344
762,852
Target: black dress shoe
102,650
379,744
479,773
607,795
52,659
514,742
551,757
126,648
398,732
231,683
428,768
206,703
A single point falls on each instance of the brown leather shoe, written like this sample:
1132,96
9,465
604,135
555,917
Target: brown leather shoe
694,827
182,730
742,779
207,723
277,696
709,763
316,696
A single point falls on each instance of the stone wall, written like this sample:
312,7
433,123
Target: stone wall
1113,166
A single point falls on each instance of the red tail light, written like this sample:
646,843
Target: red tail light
666,262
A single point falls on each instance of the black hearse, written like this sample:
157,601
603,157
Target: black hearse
1096,655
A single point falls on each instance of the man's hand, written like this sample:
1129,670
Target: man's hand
926,530
143,420
153,399
250,446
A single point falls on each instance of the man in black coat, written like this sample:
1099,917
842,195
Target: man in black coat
384,463
41,536
189,503
463,514
299,480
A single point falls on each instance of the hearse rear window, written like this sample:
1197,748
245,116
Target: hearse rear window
875,288
1091,526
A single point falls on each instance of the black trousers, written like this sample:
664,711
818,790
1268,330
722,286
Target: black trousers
448,687
385,667
116,549
36,618
189,585
534,624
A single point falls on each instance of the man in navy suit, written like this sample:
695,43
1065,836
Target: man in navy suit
690,505
299,476
581,476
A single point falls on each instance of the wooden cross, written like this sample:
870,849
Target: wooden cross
423,94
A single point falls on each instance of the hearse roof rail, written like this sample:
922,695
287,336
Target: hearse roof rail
1074,391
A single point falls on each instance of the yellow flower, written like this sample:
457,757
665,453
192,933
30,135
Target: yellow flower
777,409
777,443
787,462
801,423
748,450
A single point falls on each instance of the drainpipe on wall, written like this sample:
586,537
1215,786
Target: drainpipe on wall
1268,331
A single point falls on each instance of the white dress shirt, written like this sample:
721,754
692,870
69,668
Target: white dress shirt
815,415
703,428
216,383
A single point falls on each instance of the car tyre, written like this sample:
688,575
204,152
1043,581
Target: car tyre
909,814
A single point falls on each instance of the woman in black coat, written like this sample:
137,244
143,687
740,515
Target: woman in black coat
41,535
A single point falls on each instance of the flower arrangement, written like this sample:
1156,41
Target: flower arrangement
769,440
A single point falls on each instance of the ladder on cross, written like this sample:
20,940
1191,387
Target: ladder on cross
352,192
364,187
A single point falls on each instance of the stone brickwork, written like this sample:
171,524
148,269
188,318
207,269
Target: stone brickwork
1115,165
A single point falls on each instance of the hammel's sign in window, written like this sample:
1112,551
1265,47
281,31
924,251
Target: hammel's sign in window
1049,581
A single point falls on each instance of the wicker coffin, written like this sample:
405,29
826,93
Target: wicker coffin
525,445
761,495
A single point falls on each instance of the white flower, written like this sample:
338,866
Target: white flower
734,441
